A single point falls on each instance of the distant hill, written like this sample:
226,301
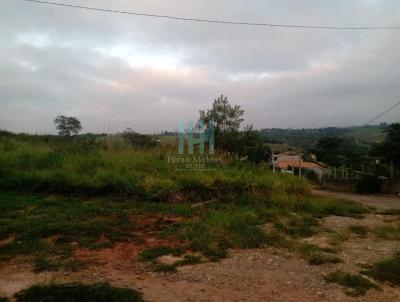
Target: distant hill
309,137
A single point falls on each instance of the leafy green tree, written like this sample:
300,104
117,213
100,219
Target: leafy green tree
250,144
390,147
340,151
226,119
67,126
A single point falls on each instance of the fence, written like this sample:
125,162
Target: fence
388,186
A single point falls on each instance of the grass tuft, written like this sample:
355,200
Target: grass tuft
356,285
155,252
359,230
388,231
337,238
386,271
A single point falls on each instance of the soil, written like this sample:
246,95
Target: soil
379,201
268,274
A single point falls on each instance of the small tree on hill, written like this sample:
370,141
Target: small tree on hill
67,126
226,119
390,147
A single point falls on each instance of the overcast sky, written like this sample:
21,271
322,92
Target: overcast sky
115,71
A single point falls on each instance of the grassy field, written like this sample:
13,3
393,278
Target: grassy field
57,196
72,193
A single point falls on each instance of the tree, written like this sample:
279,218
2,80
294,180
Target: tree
67,126
340,151
390,147
250,144
226,120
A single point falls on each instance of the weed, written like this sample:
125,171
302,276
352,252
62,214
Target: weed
386,271
359,230
314,254
356,285
45,264
322,206
154,253
391,212
48,228
321,258
189,260
337,238
388,231
214,233
297,225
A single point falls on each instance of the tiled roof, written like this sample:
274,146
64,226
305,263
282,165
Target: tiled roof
284,164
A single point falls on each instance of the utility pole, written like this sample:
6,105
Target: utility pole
300,165
273,161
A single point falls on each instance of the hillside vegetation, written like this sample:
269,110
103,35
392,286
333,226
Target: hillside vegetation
97,166
310,137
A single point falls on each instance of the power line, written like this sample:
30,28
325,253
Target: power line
380,114
214,20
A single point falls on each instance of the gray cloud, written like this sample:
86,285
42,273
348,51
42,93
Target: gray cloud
115,71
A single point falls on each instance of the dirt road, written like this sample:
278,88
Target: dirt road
267,274
379,201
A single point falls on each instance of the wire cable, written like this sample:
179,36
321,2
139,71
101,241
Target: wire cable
380,114
298,26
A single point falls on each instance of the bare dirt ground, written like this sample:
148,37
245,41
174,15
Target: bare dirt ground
379,201
267,274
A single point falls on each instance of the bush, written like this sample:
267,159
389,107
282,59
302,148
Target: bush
138,140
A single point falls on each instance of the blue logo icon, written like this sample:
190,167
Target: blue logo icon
204,134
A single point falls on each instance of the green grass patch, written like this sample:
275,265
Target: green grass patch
155,252
386,271
388,231
359,230
189,260
46,264
297,225
217,230
337,238
48,228
101,292
356,285
390,212
102,183
326,206
311,252
314,254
